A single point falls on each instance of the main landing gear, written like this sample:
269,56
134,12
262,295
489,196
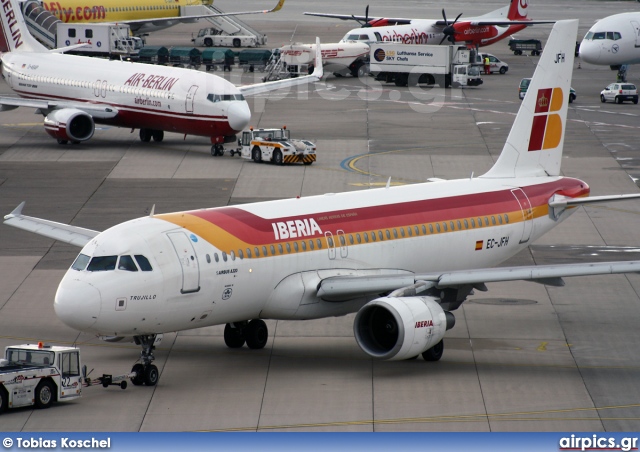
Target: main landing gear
146,373
217,150
254,333
147,134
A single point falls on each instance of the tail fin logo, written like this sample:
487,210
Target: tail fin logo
546,130
522,7
10,27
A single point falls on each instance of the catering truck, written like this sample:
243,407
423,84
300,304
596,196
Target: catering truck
410,64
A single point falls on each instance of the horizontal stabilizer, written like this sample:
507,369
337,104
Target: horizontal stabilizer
73,235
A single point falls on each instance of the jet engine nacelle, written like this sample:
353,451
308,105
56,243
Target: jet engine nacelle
69,124
400,328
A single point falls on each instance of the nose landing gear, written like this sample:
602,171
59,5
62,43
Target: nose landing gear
146,373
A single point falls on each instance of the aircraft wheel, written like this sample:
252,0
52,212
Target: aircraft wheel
602,99
151,375
435,352
44,394
62,141
256,334
256,154
138,380
277,158
158,135
145,135
233,337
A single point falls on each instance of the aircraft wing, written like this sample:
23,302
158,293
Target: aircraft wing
96,110
505,23
396,20
338,288
66,233
250,90
191,19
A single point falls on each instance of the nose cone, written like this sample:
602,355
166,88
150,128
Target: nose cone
77,303
239,115
590,51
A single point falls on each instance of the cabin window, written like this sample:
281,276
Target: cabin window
303,244
452,226
401,232
102,263
351,239
233,255
81,262
358,238
431,229
460,225
506,218
444,226
466,224
395,233
256,251
280,250
224,256
273,250
330,241
500,219
319,242
126,263
486,221
437,227
424,231
208,259
473,223
343,242
493,220
264,251
366,237
388,235
240,254
249,253
295,246
311,245
215,256
409,231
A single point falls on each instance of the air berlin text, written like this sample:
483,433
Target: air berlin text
158,82
12,23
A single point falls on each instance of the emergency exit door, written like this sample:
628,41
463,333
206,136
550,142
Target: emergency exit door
188,261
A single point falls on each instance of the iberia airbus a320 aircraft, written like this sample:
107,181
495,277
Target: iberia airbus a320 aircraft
151,98
142,16
330,255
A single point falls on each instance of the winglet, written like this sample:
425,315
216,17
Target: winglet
16,212
153,211
318,70
278,7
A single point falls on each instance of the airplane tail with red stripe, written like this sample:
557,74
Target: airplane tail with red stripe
518,10
14,34
535,142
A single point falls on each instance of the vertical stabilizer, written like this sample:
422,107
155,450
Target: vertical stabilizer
518,10
14,35
534,146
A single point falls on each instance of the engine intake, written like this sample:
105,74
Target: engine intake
400,328
69,124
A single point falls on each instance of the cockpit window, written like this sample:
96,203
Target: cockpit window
81,262
220,97
600,35
102,263
126,263
143,262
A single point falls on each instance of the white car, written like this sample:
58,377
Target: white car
619,92
496,64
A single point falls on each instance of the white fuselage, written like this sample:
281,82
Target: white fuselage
613,41
143,96
265,260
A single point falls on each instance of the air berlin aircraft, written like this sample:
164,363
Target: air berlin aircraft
74,92
404,258
474,32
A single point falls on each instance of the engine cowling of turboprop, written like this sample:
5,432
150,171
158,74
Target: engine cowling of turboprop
400,328
69,124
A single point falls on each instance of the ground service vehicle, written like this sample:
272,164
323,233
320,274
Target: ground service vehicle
518,46
410,64
106,40
209,37
524,85
619,92
496,65
275,145
38,374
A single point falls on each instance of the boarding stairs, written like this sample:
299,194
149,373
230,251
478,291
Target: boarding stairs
41,23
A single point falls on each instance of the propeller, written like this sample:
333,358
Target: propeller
366,18
449,30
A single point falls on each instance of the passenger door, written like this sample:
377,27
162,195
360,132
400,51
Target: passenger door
188,261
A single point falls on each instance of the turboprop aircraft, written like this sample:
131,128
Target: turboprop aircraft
369,251
151,98
474,32
613,41
142,16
